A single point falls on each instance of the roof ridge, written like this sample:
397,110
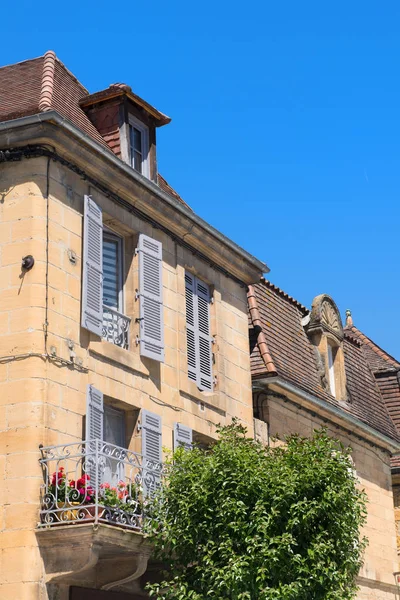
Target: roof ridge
261,339
368,342
47,84
285,295
21,62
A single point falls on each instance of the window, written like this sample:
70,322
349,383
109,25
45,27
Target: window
102,279
331,368
199,354
139,146
115,324
114,434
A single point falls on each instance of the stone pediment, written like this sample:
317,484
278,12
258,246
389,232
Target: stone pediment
325,317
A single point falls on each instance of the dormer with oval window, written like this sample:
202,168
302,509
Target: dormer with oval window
325,330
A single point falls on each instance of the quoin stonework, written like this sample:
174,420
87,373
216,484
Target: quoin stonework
129,326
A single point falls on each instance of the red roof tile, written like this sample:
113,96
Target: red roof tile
44,83
294,358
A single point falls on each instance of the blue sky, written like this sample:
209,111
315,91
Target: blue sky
285,130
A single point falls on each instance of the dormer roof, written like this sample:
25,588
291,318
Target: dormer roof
280,347
121,90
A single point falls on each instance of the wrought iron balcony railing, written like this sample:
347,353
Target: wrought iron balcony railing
115,327
98,482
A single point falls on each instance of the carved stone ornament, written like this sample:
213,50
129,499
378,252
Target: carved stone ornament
325,317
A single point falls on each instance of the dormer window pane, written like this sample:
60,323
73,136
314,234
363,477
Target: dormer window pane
331,368
138,146
136,149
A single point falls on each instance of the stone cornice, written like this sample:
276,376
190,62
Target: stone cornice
103,166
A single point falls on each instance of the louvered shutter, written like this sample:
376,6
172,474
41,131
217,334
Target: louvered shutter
94,431
183,436
191,329
150,298
199,353
151,451
92,276
204,349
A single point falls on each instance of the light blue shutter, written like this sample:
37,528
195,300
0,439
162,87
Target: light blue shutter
94,431
92,276
151,451
191,328
205,381
199,353
150,298
183,436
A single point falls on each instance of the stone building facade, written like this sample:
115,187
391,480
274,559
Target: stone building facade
310,372
123,316
124,332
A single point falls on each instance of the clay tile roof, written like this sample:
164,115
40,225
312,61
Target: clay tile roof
294,357
378,359
44,83
40,85
386,370
164,185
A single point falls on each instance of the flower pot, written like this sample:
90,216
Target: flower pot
67,513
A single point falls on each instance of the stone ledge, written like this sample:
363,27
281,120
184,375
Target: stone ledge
98,556
120,356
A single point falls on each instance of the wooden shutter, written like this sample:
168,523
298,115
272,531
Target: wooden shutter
151,451
199,341
150,298
205,381
94,431
191,329
92,276
183,436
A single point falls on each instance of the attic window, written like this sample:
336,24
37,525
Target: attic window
331,368
139,146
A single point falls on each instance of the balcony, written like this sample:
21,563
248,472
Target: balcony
97,482
115,327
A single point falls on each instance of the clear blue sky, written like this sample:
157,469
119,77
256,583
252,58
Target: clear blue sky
285,128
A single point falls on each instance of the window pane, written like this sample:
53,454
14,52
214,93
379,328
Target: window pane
114,426
137,161
111,272
137,139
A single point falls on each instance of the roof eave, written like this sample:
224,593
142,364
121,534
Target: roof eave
200,234
336,413
104,96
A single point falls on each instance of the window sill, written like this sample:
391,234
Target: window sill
127,358
214,399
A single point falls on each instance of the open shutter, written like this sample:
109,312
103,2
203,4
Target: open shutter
204,349
92,277
191,329
151,451
150,298
183,436
94,431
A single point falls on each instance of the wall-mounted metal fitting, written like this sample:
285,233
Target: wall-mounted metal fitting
53,350
27,262
72,257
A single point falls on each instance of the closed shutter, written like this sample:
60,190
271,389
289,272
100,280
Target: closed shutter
199,352
205,353
151,451
191,329
94,431
150,298
183,436
92,276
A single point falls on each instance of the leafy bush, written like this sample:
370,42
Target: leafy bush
244,522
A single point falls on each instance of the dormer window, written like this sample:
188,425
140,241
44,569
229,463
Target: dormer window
331,368
325,330
139,146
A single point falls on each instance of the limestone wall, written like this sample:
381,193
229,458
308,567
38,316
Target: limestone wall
42,398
